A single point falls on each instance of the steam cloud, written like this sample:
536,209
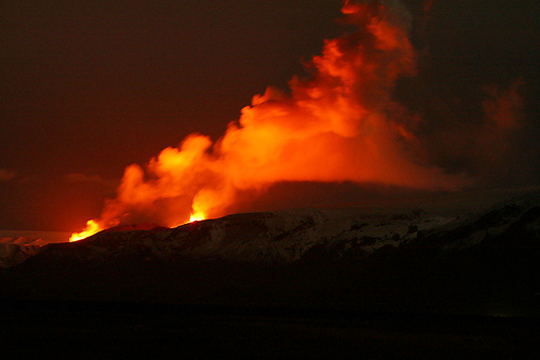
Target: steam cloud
341,124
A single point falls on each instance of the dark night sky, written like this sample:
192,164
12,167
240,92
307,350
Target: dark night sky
89,87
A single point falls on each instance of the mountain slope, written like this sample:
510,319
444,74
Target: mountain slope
484,263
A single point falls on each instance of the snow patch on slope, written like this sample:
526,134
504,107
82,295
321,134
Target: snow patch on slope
285,236
15,250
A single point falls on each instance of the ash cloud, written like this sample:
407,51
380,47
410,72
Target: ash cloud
342,124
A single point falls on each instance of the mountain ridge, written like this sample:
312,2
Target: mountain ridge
485,263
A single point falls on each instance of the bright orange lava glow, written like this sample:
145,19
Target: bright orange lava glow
92,227
198,216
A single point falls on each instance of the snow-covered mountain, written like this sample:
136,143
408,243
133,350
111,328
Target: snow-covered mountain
315,256
269,237
286,236
18,245
15,250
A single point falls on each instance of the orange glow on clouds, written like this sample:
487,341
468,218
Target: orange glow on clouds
339,125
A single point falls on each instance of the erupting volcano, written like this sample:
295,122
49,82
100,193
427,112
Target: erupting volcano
384,201
340,124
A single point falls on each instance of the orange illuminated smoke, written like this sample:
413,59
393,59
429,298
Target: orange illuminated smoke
92,227
341,124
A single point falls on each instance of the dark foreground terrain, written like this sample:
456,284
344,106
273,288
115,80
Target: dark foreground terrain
86,330
285,284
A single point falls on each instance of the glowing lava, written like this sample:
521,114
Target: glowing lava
92,227
198,216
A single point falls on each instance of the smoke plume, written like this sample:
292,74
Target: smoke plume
340,124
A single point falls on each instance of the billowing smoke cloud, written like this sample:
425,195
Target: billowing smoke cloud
341,124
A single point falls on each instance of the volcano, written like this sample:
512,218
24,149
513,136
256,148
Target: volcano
403,103
485,262
272,282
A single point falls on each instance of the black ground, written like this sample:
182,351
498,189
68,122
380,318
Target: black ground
85,330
